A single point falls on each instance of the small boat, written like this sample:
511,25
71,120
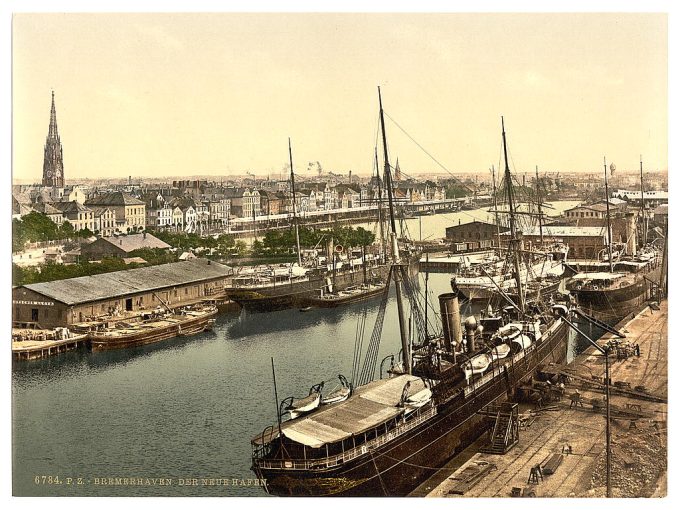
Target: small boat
336,396
477,365
340,394
304,405
500,351
305,309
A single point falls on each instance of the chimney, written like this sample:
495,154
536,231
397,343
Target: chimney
450,313
470,330
631,234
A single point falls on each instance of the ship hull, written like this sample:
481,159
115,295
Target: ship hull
399,466
189,327
611,305
346,300
299,294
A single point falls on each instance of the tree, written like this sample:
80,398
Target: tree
66,230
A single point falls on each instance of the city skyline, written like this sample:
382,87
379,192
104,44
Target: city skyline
196,94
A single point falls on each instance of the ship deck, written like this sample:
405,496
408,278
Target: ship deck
368,407
638,444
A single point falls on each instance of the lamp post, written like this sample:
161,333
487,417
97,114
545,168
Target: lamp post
605,351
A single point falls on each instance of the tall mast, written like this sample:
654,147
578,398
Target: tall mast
380,212
396,268
540,211
295,221
642,206
495,207
514,241
609,225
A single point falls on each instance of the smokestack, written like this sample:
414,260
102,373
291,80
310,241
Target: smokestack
631,234
450,312
470,331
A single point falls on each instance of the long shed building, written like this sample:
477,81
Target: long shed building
64,302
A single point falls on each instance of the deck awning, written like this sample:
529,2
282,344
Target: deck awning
369,407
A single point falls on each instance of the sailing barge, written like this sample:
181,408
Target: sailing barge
389,435
154,327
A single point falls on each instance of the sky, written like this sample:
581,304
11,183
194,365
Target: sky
159,95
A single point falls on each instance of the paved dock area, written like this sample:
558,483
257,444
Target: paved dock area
639,434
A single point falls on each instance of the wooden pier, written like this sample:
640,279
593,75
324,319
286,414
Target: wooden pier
36,349
566,437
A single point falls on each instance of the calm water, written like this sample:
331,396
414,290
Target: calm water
185,409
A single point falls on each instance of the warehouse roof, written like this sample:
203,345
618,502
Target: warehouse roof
84,289
563,231
132,242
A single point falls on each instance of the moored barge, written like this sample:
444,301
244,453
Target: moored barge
154,327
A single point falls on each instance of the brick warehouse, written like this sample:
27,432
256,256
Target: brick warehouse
65,302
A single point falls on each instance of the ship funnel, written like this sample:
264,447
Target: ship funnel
470,330
450,312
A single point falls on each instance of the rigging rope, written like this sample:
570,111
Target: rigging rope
371,357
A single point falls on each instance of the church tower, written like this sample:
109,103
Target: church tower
53,164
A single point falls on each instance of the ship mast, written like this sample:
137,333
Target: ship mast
514,241
380,212
295,221
609,225
540,210
642,206
495,208
396,269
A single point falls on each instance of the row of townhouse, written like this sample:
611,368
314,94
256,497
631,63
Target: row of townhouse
187,213
105,213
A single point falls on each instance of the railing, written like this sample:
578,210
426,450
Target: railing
341,458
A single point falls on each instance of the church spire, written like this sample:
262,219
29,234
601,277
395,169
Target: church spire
53,163
53,133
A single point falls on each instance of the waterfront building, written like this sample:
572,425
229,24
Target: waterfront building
653,198
130,211
120,246
105,221
583,242
53,161
62,303
78,215
477,232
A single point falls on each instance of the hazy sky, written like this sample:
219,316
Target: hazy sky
182,94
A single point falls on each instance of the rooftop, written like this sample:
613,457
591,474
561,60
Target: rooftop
114,198
133,242
563,231
84,289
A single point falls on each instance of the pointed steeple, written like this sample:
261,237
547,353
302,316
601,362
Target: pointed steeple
53,163
397,171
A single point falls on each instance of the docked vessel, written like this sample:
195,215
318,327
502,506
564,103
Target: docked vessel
483,283
390,434
610,290
352,294
154,327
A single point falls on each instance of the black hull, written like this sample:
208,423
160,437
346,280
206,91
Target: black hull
611,305
292,295
399,466
299,294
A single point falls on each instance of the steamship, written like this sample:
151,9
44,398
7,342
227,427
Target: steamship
613,288
389,435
